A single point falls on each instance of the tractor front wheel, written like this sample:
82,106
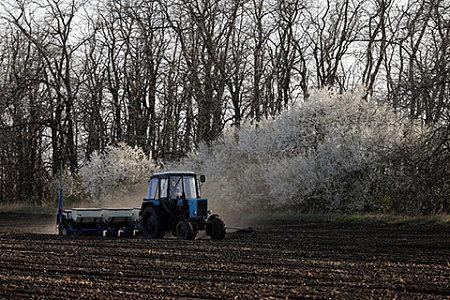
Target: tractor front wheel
215,228
153,223
184,230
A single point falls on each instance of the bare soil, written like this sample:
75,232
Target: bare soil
277,261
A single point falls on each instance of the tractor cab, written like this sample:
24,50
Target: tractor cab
173,203
176,192
172,185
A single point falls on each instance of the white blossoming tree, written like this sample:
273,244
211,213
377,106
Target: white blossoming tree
330,153
120,171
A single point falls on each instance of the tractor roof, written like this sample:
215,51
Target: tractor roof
164,174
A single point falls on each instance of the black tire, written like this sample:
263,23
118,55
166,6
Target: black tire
153,223
215,228
195,231
184,230
62,231
62,228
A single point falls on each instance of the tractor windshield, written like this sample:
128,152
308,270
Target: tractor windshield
176,187
177,183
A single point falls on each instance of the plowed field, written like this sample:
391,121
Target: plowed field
279,261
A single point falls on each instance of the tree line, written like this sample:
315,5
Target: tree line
77,76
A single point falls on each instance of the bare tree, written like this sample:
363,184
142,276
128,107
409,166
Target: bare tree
54,45
421,69
92,95
23,117
335,27
287,57
259,14
377,43
203,29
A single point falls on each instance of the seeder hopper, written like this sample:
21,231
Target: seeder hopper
105,221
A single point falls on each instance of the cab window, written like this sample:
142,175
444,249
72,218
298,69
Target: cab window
152,192
163,187
190,187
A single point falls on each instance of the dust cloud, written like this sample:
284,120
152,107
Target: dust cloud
27,223
130,199
222,207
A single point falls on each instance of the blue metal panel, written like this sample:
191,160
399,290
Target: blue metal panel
192,208
155,202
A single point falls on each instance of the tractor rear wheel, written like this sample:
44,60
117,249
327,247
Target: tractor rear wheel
184,230
215,228
153,223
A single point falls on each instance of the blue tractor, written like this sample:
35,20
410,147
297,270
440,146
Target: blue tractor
173,204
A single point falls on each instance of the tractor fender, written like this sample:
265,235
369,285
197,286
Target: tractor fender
213,216
147,203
